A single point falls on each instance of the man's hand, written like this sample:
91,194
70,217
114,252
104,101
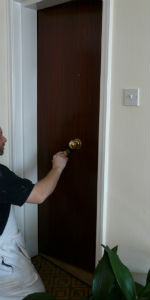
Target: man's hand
59,161
46,186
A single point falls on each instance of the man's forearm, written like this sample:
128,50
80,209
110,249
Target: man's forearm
44,187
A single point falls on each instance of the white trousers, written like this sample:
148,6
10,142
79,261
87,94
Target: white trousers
18,277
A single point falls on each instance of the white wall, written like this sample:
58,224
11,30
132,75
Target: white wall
128,197
18,95
128,201
4,79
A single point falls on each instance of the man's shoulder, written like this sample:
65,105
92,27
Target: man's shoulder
4,170
3,167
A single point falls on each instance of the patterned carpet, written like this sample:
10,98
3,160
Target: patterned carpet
59,282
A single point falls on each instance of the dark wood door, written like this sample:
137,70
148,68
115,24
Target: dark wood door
69,46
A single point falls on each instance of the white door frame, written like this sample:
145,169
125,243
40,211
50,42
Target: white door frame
22,52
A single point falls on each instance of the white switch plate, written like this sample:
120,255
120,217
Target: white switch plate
131,97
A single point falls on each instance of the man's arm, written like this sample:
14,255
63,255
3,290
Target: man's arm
46,186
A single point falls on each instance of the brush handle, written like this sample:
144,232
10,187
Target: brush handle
68,151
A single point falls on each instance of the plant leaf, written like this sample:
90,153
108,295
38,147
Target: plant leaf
104,285
145,292
148,277
122,274
40,296
115,249
139,287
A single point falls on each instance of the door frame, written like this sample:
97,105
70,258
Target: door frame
22,57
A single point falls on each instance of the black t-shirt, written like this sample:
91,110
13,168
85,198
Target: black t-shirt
13,190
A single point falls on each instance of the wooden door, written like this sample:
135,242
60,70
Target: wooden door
69,46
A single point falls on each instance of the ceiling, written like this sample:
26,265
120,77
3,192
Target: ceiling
40,4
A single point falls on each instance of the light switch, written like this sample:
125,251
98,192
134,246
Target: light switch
131,97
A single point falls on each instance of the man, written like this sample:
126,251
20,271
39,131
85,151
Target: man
18,277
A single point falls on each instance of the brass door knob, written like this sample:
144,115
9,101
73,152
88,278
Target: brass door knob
73,145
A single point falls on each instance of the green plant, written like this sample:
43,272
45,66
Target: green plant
113,281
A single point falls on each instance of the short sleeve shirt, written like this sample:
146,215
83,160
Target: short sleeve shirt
13,190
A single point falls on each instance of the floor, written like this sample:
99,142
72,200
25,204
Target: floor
81,274
62,281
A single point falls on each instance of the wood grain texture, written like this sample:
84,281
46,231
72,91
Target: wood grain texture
69,44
